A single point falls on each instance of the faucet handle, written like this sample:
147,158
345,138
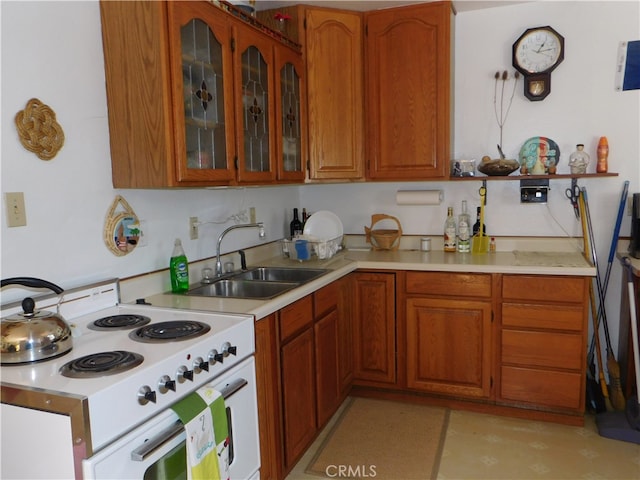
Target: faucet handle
243,260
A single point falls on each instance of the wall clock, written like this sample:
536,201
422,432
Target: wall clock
536,53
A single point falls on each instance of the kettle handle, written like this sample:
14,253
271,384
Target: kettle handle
32,282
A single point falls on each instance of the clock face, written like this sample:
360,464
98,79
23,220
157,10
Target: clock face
538,50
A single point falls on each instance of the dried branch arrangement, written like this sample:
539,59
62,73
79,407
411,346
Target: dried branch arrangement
501,114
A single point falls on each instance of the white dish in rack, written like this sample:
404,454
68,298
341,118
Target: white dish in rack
323,225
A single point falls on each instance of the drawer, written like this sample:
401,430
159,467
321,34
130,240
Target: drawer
449,284
542,349
542,388
295,318
554,317
545,288
325,299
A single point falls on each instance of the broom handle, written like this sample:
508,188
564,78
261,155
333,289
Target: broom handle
612,251
594,314
601,314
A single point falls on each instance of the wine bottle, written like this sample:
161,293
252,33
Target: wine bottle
295,225
464,235
476,226
450,232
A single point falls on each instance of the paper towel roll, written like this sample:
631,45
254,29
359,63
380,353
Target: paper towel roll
419,197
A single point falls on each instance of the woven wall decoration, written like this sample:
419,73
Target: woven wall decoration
121,228
39,131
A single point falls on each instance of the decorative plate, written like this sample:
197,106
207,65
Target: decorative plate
539,155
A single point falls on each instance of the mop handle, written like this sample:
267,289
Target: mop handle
634,323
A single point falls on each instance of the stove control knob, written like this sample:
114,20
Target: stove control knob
146,395
227,349
199,365
183,374
215,357
165,384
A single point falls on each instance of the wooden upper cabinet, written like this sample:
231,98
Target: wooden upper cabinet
408,101
186,108
201,69
291,124
333,48
255,107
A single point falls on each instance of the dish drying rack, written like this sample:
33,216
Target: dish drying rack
305,248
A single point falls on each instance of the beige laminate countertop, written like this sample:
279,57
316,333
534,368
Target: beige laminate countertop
515,262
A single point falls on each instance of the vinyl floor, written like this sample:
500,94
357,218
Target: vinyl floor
482,446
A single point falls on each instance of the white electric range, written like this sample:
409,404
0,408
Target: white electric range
121,377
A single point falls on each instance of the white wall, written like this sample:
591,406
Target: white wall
53,51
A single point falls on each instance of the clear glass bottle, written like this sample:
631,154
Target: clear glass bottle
464,230
296,225
179,269
450,231
579,160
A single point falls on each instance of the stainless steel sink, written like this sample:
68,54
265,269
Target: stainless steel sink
252,289
260,283
281,274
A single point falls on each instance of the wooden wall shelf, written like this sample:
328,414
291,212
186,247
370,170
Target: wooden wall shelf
533,177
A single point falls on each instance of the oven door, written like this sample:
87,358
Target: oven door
156,449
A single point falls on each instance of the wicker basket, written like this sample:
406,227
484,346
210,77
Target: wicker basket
383,239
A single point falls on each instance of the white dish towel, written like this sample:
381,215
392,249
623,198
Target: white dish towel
204,416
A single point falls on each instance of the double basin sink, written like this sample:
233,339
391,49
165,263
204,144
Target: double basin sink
260,283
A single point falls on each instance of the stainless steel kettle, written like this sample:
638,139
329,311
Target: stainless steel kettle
32,336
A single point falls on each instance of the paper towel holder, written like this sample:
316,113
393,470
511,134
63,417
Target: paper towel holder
419,197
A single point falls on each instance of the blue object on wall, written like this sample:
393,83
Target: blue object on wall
628,70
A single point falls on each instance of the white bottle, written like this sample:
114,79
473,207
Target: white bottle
450,231
464,230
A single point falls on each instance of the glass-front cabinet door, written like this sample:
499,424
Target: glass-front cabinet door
291,135
255,108
202,72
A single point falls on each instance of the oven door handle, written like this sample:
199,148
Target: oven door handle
151,445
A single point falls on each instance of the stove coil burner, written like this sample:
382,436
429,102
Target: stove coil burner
119,322
101,364
175,330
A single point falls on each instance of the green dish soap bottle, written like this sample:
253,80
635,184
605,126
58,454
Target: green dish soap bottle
179,269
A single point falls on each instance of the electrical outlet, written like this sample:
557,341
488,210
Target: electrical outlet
193,228
252,214
16,213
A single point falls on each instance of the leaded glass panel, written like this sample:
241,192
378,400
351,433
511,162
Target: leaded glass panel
203,96
255,88
291,136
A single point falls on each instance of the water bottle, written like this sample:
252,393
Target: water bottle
179,269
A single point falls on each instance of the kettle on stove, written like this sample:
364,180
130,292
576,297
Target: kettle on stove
32,335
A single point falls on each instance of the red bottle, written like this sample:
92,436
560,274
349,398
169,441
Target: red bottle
603,155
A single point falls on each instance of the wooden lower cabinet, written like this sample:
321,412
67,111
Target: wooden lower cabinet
327,380
449,333
315,367
297,370
298,395
542,342
374,328
449,346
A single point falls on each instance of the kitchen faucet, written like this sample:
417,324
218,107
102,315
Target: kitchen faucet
261,234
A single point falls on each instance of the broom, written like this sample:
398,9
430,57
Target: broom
594,313
615,389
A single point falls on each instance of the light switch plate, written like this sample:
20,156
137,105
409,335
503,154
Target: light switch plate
16,214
